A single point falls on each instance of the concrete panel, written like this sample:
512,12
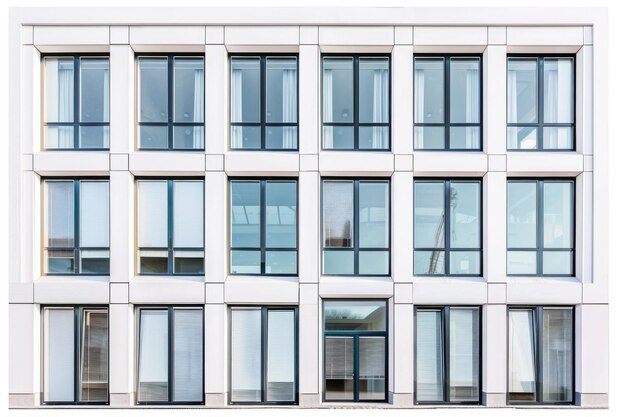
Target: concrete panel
355,163
355,287
462,291
261,290
265,163
450,35
449,163
548,36
167,35
54,290
167,163
356,35
71,35
262,35
166,290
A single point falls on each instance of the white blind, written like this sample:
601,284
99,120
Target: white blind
339,357
429,361
153,356
188,214
152,213
94,360
94,213
280,356
188,355
371,357
521,352
246,355
59,354
464,354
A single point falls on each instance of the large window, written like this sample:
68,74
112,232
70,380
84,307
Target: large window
171,102
170,355
76,226
540,228
263,355
263,219
264,102
355,222
541,355
355,350
447,103
447,227
75,355
76,102
447,355
540,104
355,102
170,226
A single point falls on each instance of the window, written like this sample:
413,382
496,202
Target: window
263,355
170,355
355,350
263,218
541,355
264,102
76,226
447,227
355,221
447,103
76,102
75,355
540,234
447,355
170,226
355,102
171,102
540,103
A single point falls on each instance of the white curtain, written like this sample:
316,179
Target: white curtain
198,108
328,108
60,102
188,355
380,106
290,106
521,352
419,107
105,116
511,106
557,104
236,105
472,110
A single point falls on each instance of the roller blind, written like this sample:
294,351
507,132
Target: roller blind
429,358
246,355
280,356
188,355
153,356
59,354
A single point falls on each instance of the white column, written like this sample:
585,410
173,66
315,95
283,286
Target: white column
403,342
122,98
216,99
24,353
309,336
402,99
121,355
494,93
31,214
494,355
216,228
309,90
494,226
215,354
592,355
31,93
122,225
308,226
402,227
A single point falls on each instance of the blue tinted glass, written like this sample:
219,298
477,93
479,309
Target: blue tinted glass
245,214
338,262
245,89
280,214
153,104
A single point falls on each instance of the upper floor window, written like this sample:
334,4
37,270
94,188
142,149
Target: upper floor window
447,103
264,102
76,110
355,102
540,229
171,102
76,229
540,103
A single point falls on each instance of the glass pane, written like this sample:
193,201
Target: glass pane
94,262
558,263
521,355
60,214
337,94
464,263
153,137
188,90
245,262
245,137
521,137
94,358
429,212
464,354
372,375
557,354
465,90
338,213
465,214
245,89
59,261
153,355
152,214
153,262
280,214
522,90
94,214
464,137
188,354
428,262
429,356
59,89
558,90
429,137
245,358
281,353
188,137
58,354
355,315
374,90
281,262
91,137
188,214
282,90
373,137
94,90
558,214
188,262
519,263
558,138
429,90
339,368
374,215
245,216
374,263
281,137
338,262
338,137
153,85
59,137
522,215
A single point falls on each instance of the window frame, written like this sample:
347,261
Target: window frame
77,248
537,312
77,344
76,123
446,124
540,100
447,249
355,102
262,225
263,353
539,210
445,334
170,228
170,123
356,181
262,124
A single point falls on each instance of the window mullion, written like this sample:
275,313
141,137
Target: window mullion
170,100
262,214
76,101
540,103
262,81
540,227
355,226
446,346
538,356
77,243
446,101
170,226
446,244
264,341
355,95
77,338
170,355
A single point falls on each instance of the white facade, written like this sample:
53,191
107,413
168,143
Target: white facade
308,32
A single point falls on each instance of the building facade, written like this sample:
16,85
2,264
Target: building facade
308,207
